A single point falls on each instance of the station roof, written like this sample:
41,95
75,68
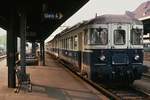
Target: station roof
142,12
43,16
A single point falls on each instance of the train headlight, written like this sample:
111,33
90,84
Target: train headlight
102,58
137,57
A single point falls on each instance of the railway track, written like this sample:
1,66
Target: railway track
129,93
126,93
146,75
2,57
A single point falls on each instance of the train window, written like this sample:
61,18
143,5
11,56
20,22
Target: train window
85,36
119,37
99,36
75,42
71,43
63,44
136,38
66,43
59,44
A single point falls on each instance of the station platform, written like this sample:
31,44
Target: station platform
50,82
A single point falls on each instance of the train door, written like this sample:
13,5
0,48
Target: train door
119,36
76,51
80,43
85,69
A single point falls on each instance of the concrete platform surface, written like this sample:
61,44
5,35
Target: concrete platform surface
50,82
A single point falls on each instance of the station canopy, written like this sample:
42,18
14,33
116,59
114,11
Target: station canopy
43,16
142,12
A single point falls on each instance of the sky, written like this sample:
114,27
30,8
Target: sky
98,7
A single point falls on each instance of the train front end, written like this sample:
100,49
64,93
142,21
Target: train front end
116,52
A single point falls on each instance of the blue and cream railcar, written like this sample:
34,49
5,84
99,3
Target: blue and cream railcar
53,47
115,42
70,46
107,48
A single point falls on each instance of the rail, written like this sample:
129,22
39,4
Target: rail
122,94
128,93
146,75
3,56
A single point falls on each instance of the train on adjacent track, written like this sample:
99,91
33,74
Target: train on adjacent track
107,48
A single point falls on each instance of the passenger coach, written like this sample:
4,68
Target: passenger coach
108,48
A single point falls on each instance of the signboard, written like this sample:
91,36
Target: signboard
57,16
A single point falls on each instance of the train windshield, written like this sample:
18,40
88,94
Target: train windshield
119,37
136,36
99,36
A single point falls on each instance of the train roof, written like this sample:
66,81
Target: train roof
105,19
